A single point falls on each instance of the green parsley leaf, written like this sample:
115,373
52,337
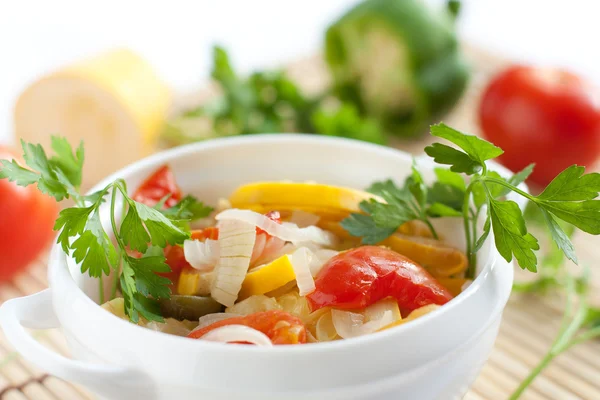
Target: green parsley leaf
71,222
559,236
448,177
442,210
71,164
364,226
446,194
478,150
486,232
511,234
148,282
188,208
12,171
36,159
459,161
572,185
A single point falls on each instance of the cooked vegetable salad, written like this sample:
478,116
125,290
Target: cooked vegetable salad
289,263
276,267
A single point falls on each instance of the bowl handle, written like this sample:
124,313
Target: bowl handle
36,312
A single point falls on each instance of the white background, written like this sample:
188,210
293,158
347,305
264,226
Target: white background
38,36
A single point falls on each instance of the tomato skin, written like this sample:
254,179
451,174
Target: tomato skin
281,327
158,185
362,276
26,223
543,116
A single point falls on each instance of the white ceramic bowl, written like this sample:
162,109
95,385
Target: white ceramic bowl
434,357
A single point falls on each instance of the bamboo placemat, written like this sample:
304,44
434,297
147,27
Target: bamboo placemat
528,327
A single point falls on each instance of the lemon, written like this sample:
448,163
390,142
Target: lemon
332,202
114,102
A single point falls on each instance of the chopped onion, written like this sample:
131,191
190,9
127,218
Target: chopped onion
325,329
351,324
259,247
202,255
286,231
303,218
236,243
238,333
254,304
301,260
210,319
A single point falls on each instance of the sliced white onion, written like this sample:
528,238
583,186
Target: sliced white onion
286,231
202,255
350,324
303,218
210,319
273,249
236,243
301,260
238,333
259,247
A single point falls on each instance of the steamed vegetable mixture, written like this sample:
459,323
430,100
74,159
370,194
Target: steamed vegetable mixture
274,266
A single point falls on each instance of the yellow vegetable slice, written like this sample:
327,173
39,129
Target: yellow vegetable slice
333,202
268,277
454,285
194,283
440,260
115,102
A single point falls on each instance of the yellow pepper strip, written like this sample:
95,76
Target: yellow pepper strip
415,228
454,285
268,278
440,260
333,202
194,283
419,312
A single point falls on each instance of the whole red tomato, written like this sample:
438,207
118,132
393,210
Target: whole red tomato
26,220
545,116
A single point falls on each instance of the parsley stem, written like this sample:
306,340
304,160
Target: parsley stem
532,375
121,246
470,274
591,334
508,185
431,228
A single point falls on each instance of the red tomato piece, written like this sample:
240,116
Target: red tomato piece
542,116
281,327
362,276
26,220
158,185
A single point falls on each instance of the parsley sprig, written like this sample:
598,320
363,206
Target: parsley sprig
570,197
83,236
580,322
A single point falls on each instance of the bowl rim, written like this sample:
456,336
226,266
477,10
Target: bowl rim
59,273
